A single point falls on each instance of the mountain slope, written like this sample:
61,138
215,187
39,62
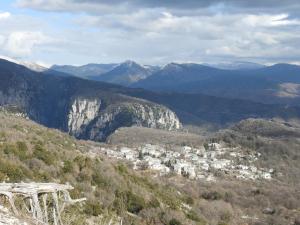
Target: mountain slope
86,109
239,65
84,71
278,143
199,109
125,74
265,85
30,152
94,110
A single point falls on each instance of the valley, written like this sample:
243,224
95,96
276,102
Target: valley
148,112
248,189
149,157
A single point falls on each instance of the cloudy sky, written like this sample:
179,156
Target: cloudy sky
150,31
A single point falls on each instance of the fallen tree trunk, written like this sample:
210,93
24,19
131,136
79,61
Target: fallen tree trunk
44,199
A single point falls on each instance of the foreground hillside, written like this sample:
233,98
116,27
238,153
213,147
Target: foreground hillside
30,152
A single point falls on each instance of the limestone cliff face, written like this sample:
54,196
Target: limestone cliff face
86,118
154,116
82,112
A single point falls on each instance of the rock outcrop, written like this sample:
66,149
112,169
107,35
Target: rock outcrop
82,112
88,120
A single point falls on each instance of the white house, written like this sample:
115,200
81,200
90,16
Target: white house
185,167
221,164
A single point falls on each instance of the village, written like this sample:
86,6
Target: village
207,162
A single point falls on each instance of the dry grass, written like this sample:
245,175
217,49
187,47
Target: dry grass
113,189
135,136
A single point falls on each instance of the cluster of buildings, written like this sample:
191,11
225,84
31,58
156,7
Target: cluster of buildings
204,162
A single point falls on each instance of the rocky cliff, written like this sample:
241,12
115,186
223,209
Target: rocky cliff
88,120
81,113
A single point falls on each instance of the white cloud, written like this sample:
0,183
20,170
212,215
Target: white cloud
22,43
270,20
160,36
4,15
115,30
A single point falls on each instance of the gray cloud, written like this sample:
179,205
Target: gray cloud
192,3
169,4
160,31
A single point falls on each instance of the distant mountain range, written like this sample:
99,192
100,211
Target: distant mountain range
125,74
239,65
91,109
85,71
277,84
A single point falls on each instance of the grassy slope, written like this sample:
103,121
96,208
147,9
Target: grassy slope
30,152
132,136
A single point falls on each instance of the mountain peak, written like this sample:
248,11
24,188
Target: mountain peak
34,66
9,59
172,66
130,63
285,65
125,73
29,65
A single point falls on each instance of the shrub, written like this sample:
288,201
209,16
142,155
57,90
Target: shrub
135,203
2,177
2,136
68,166
22,150
121,169
42,154
226,217
83,162
19,150
153,203
193,216
213,195
174,222
223,223
13,172
9,149
189,200
92,208
169,199
99,180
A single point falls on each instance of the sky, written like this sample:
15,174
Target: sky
157,32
